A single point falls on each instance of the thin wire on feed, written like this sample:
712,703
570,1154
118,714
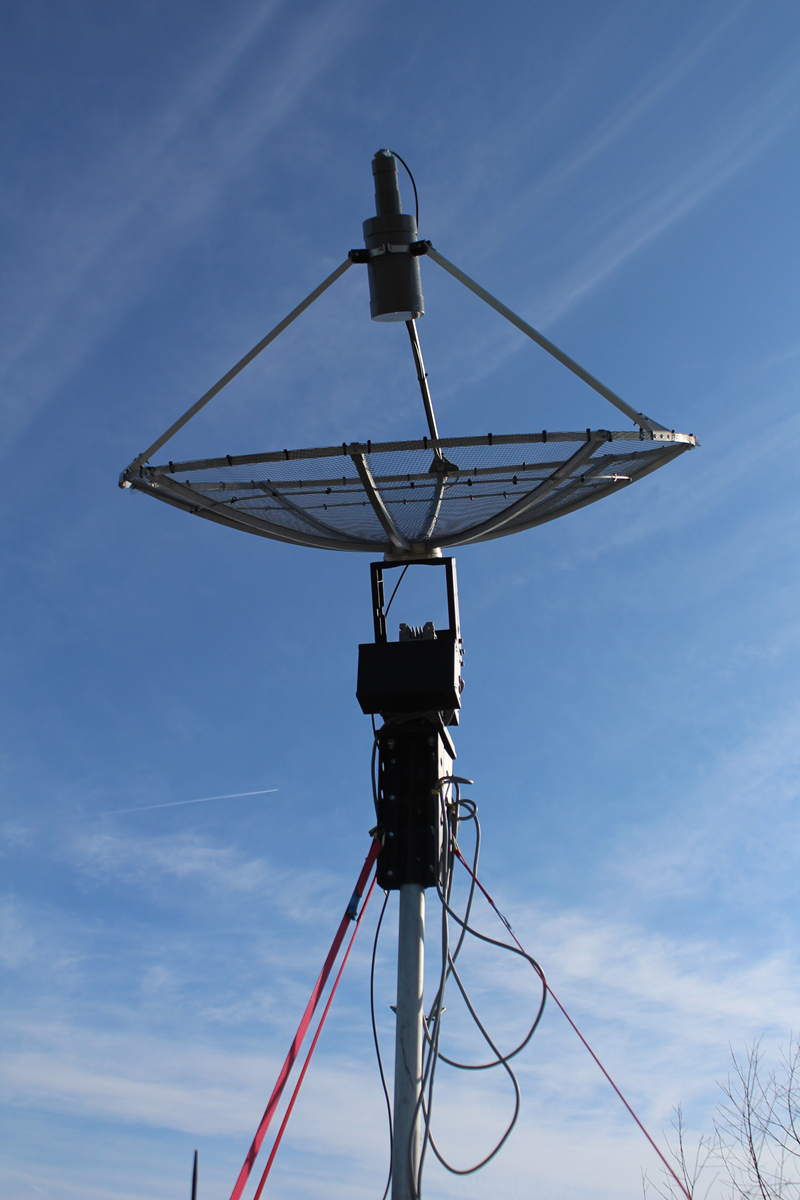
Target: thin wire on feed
413,183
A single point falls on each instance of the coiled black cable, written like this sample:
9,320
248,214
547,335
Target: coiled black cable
454,811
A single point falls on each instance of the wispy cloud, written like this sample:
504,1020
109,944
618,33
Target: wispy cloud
158,864
134,1077
17,943
736,833
714,162
659,1010
152,193
592,243
632,108
148,861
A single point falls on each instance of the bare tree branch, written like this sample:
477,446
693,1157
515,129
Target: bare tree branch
756,1143
690,1172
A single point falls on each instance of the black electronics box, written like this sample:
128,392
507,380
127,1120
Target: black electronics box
410,676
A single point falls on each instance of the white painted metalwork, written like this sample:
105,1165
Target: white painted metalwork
407,498
408,1042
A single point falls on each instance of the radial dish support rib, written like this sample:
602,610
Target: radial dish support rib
433,511
321,526
440,464
416,349
377,502
525,502
172,492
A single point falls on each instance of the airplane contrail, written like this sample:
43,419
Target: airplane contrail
116,812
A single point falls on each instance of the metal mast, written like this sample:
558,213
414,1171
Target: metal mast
415,685
408,1041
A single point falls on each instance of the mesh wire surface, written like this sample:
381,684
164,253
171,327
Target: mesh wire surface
409,497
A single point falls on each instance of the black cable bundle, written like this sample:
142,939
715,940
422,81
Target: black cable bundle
454,810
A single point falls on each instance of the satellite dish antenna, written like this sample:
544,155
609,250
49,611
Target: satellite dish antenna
409,501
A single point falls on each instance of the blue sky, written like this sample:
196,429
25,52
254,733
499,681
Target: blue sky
178,177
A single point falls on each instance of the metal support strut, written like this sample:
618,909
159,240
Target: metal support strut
440,464
408,1042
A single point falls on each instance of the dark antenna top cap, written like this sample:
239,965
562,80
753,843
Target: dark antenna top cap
387,190
395,289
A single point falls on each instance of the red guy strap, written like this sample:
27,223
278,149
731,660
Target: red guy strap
294,1049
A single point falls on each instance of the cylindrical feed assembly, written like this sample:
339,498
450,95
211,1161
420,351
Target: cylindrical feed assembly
395,289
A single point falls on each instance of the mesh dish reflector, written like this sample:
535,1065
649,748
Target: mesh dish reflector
410,498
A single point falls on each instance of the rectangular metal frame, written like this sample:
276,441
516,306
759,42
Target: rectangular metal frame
417,676
379,596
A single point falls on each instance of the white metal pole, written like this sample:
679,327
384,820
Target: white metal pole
408,1041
